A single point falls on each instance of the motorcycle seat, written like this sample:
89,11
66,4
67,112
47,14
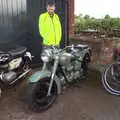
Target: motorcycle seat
18,51
82,46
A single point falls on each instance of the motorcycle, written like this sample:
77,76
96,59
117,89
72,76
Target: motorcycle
61,67
111,76
14,65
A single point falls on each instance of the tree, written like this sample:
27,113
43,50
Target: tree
107,16
86,17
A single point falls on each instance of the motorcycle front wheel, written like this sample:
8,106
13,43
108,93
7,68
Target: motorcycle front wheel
111,78
38,101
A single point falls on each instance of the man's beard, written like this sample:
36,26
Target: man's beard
51,14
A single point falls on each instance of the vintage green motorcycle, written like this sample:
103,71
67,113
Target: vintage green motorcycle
61,67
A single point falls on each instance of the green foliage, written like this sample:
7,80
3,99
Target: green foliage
104,26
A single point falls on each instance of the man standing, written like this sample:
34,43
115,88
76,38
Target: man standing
50,26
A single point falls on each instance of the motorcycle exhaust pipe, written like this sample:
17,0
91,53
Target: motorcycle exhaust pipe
20,76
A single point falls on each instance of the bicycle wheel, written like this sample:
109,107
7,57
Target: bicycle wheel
111,78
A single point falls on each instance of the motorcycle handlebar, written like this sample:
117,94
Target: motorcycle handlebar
61,50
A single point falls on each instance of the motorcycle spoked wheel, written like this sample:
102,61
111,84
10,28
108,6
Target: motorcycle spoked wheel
38,101
111,78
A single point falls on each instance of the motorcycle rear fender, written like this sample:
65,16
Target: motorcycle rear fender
39,75
83,54
88,53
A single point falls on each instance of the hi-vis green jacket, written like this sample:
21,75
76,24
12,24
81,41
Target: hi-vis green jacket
50,29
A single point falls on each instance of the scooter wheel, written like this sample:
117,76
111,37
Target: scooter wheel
38,101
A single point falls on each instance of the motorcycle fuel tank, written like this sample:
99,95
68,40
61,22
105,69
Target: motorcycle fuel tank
66,58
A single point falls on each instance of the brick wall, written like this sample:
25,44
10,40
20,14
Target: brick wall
71,17
103,49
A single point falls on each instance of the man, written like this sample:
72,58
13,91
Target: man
50,26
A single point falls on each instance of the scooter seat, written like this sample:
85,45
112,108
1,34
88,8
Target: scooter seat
18,52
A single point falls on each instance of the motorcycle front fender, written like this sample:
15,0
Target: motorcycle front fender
39,75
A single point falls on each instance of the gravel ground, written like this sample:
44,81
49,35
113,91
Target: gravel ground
84,101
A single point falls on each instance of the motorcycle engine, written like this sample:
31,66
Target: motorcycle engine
9,76
71,66
15,63
72,70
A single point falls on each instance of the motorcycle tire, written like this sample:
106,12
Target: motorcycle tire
1,89
111,78
38,101
0,92
85,64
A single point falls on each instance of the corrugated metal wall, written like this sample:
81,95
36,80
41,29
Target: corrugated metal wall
19,23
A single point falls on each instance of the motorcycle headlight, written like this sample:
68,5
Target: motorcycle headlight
45,58
4,57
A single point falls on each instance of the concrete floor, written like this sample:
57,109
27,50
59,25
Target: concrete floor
86,101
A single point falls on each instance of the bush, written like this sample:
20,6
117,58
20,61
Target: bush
104,26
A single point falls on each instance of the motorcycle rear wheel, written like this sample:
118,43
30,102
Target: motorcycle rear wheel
0,92
85,65
38,101
111,78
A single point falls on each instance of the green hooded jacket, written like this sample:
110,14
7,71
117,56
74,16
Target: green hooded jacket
50,29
